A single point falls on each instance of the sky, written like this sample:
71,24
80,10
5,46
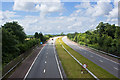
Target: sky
54,17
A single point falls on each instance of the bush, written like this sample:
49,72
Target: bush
27,44
82,43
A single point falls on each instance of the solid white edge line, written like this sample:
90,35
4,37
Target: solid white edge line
32,64
98,55
80,63
58,64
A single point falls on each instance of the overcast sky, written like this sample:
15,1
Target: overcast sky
56,17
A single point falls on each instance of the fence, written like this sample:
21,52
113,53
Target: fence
11,65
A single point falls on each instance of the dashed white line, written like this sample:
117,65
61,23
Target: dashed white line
97,55
100,60
91,56
32,64
45,62
47,53
115,68
44,71
102,56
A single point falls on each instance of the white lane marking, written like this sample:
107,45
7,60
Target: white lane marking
116,68
91,56
45,62
100,60
102,56
58,64
44,71
47,53
32,64
94,53
80,63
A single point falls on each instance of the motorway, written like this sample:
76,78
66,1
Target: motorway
107,64
46,64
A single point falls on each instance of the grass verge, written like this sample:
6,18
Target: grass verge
73,69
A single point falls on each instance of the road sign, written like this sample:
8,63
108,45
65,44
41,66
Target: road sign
41,43
84,66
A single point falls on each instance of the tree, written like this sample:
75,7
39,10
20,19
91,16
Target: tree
36,35
8,46
62,34
15,29
117,32
100,29
41,36
106,37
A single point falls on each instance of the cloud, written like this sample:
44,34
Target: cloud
21,5
86,16
1,15
102,11
113,15
7,16
83,5
101,8
60,24
44,7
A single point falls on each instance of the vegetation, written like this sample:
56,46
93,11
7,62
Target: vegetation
14,41
71,67
74,69
106,37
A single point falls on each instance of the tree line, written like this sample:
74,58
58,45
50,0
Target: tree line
105,37
14,41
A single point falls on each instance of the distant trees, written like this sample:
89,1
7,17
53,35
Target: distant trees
39,36
106,37
36,35
62,34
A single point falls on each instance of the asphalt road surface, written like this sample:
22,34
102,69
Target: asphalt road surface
46,64
107,64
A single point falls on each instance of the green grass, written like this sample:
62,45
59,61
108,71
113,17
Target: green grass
72,69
